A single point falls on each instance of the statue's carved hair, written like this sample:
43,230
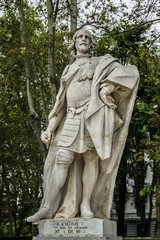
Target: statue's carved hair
72,48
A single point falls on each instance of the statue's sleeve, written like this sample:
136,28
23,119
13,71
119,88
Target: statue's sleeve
123,76
59,107
120,81
110,87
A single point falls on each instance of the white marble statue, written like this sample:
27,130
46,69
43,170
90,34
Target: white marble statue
86,134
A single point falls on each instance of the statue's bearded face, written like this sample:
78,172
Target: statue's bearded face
83,41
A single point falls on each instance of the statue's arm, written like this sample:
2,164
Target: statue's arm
52,126
54,120
105,94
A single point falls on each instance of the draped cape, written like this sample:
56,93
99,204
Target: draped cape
109,139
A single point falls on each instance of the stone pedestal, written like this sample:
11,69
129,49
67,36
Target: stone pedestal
77,229
77,238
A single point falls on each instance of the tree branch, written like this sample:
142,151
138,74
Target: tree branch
136,27
29,62
88,24
56,11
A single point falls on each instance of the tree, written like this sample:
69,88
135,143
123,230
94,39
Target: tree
131,45
19,157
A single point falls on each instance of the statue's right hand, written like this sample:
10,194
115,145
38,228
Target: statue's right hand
107,98
46,137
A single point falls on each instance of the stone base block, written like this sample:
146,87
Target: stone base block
77,238
77,228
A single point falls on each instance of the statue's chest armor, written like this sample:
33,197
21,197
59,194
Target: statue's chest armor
78,92
79,89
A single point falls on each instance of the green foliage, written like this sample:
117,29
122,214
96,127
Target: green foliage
146,190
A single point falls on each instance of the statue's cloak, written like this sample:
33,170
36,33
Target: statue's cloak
107,69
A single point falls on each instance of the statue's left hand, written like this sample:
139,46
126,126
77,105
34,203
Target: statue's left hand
107,98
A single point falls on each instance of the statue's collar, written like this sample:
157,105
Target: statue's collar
82,60
83,56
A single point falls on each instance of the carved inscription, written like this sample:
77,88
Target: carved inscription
77,227
70,227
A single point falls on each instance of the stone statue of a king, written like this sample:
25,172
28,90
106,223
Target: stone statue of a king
86,134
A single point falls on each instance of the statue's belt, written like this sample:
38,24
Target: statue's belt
78,107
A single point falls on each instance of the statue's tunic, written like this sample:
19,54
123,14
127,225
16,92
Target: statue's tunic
74,135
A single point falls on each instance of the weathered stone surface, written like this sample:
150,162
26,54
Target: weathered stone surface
77,228
77,238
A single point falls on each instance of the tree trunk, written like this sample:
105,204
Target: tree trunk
139,173
121,206
9,209
1,202
121,179
73,14
73,21
52,11
121,211
140,200
151,195
158,201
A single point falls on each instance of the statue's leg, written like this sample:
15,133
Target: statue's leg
89,178
59,174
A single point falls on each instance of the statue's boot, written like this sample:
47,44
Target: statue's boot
86,211
43,213
61,215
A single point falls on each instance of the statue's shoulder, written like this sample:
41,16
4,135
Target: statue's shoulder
65,70
100,59
107,57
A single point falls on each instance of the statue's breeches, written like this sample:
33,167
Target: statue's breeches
74,135
64,156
